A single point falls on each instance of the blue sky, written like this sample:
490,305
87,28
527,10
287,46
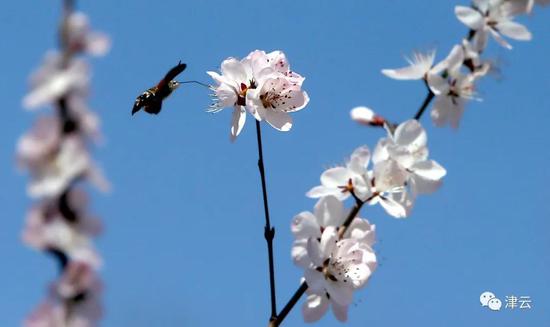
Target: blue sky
183,244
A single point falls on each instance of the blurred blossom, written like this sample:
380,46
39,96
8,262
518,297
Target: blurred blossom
518,7
64,227
452,90
54,80
82,39
59,169
40,143
56,155
73,301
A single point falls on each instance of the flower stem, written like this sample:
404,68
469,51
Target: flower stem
291,303
429,97
269,232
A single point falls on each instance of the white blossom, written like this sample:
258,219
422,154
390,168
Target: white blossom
262,84
81,39
52,227
452,90
343,180
63,167
337,268
73,300
328,211
53,81
490,17
407,146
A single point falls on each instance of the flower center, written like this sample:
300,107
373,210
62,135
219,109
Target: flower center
270,99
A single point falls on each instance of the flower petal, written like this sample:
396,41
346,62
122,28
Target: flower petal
340,311
469,17
341,293
279,120
329,211
411,135
314,307
305,225
392,207
514,30
237,122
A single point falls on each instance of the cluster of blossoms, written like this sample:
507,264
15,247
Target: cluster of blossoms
262,84
452,81
333,245
56,155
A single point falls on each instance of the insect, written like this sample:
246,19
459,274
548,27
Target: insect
151,100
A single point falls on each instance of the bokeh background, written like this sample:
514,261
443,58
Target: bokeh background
183,244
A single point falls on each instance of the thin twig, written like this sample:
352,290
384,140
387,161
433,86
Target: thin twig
429,97
288,307
269,232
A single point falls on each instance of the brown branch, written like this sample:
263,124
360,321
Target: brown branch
269,232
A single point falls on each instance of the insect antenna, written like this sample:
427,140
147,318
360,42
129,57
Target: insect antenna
196,82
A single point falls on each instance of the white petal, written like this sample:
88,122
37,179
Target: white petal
314,252
315,281
514,30
393,208
329,211
321,190
340,292
469,17
299,253
328,242
340,311
237,122
381,151
429,169
389,175
420,64
360,229
297,100
98,44
279,120
335,177
453,61
480,39
305,225
500,40
411,135
438,84
234,70
427,176
359,160
444,111
314,307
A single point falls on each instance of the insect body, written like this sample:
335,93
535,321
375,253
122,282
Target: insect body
151,100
